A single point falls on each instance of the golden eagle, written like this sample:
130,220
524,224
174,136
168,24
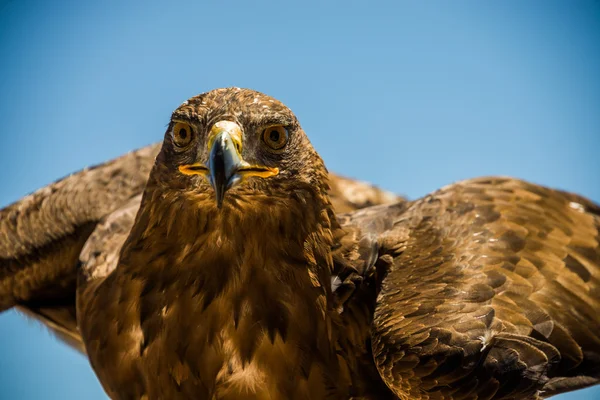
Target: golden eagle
236,267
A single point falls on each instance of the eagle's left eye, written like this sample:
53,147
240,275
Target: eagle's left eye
275,137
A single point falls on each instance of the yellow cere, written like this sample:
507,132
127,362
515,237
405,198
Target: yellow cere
234,130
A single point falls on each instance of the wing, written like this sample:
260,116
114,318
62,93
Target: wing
492,291
43,234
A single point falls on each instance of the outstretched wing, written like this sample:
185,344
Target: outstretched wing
43,233
492,291
42,236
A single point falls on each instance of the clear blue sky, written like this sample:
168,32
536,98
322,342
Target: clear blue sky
407,95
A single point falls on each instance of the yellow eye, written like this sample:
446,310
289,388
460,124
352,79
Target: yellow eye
276,137
182,134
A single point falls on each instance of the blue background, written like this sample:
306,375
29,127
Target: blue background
408,95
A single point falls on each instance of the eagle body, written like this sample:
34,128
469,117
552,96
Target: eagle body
229,264
235,313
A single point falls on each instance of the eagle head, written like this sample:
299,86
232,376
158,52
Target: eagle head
235,146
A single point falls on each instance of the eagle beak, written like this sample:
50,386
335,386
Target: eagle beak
225,164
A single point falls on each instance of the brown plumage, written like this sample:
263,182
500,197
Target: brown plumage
235,278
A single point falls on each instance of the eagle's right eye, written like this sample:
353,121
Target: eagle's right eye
182,134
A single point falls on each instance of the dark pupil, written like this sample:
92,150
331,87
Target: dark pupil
274,136
182,133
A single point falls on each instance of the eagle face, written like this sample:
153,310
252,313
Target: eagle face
236,145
